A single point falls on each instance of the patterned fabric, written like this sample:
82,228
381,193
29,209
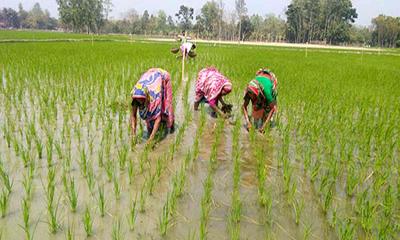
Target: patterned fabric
155,87
259,91
210,83
255,88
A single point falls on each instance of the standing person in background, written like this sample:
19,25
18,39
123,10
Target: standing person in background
187,48
211,86
152,98
262,92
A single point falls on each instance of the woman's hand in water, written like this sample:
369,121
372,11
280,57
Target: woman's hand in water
150,144
249,126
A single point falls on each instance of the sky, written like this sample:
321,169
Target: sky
366,9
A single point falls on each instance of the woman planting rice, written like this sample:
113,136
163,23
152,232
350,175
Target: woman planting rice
187,48
152,97
211,86
262,92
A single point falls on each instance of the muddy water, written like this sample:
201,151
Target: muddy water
186,221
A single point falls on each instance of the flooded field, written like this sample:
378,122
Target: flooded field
70,168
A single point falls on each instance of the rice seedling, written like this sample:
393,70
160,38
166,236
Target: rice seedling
388,202
132,215
4,202
39,147
328,198
159,168
7,135
50,187
191,235
59,149
72,193
27,184
25,205
49,152
346,230
69,234
87,221
164,218
351,180
83,162
109,167
116,233
117,188
333,221
123,156
90,178
151,183
307,231
142,198
101,200
5,177
131,171
100,158
17,146
25,155
298,207
52,211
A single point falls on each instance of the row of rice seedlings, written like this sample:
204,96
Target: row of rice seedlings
179,178
208,184
236,204
52,207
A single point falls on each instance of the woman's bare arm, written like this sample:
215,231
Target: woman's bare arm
246,113
270,114
133,119
157,124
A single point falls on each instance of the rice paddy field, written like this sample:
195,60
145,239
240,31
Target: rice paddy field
70,168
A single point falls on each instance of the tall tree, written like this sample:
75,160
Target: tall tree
22,15
81,15
327,20
145,21
107,5
386,31
209,19
241,10
9,18
185,17
161,25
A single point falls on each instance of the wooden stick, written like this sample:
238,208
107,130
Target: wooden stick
183,65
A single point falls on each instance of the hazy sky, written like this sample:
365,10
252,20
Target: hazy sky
366,9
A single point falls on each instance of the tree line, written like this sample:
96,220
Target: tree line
36,18
307,21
